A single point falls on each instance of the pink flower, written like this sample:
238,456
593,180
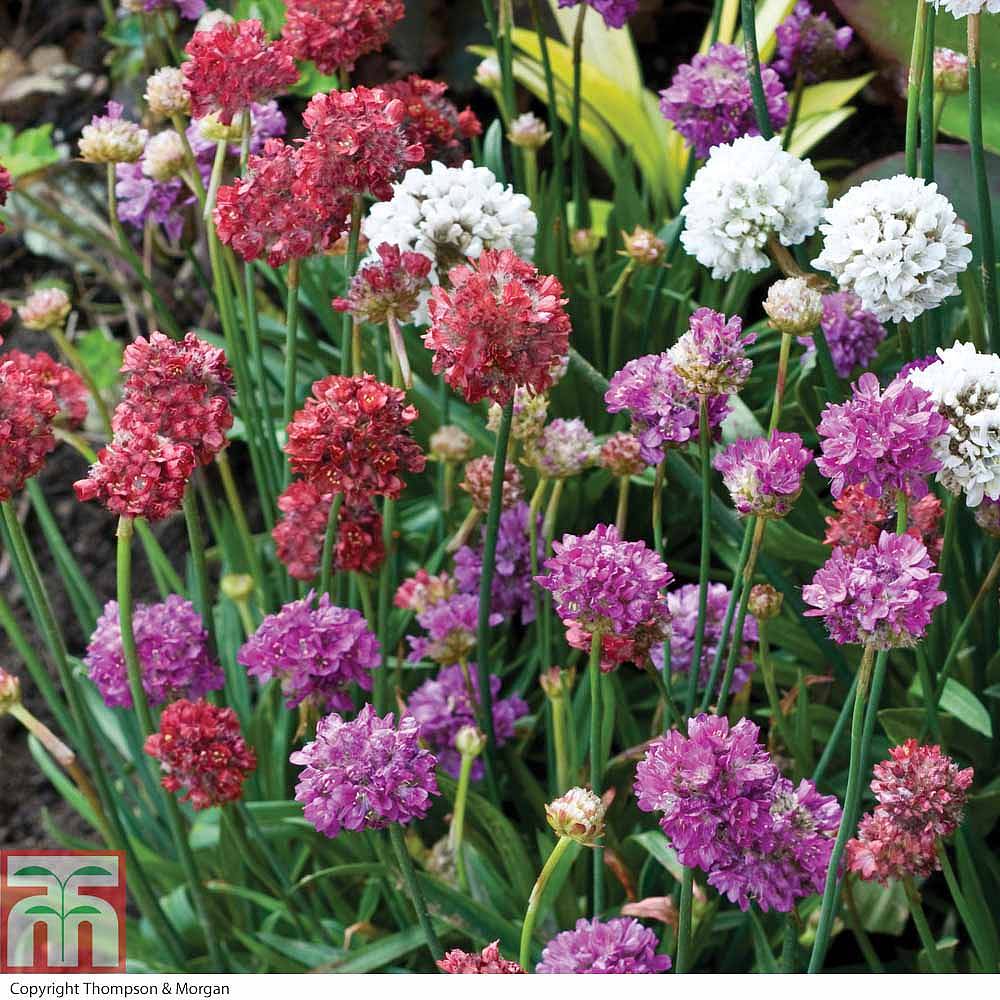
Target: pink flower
334,34
27,410
66,386
485,963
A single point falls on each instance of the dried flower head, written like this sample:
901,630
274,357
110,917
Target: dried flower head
45,309
420,591
110,138
163,157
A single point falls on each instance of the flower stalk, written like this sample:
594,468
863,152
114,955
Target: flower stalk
531,914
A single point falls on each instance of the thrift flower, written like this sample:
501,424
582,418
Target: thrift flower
577,814
488,962
432,121
764,475
45,309
110,138
563,449
620,946
614,12
27,409
809,45
451,630
68,389
852,333
710,357
334,34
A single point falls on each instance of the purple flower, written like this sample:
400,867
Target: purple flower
601,583
266,122
710,357
511,592
563,449
881,439
918,365
664,411
141,199
883,593
614,12
852,333
709,99
173,654
683,606
365,774
190,9
764,476
809,44
443,705
451,630
621,946
316,651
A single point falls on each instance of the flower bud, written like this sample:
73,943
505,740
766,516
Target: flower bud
584,242
620,455
557,683
212,128
110,138
450,443
951,71
10,691
764,602
643,246
528,131
488,74
45,309
579,815
166,93
527,417
238,587
469,741
988,517
793,306
164,157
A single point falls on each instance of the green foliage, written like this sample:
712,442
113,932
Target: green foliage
28,151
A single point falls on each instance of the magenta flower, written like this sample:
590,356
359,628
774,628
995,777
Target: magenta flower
852,333
809,44
621,946
764,476
710,357
451,630
614,12
884,594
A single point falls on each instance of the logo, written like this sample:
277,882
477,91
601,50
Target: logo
62,911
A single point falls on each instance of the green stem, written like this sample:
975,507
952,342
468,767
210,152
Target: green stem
657,506
579,194
790,945
196,542
779,382
771,687
796,109
385,587
928,129
457,831
561,745
329,544
72,356
596,762
531,914
923,928
682,961
413,888
618,319
748,16
239,514
541,619
838,730
980,941
705,445
291,340
914,74
350,265
621,514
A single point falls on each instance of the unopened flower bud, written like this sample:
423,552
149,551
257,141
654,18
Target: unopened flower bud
621,455
450,443
584,242
988,517
556,682
164,157
469,741
10,691
793,306
45,309
643,246
951,71
166,93
212,128
528,131
237,586
488,74
579,815
110,138
764,602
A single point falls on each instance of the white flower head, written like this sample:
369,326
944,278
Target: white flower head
746,192
452,215
163,158
897,244
965,385
962,8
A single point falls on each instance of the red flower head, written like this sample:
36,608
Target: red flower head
66,386
352,437
478,483
233,65
389,285
5,185
360,546
27,409
139,474
259,214
432,121
501,325
882,851
200,749
334,34
179,389
356,144
485,963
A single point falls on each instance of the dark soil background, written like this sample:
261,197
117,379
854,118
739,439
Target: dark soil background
431,40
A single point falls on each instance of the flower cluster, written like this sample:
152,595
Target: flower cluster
110,138
45,309
488,962
861,519
432,121
451,629
852,333
527,415
764,475
334,34
710,357
809,45
621,455
67,388
962,8
387,285
478,482
793,305
620,946
27,409
420,591
564,448
577,814
614,12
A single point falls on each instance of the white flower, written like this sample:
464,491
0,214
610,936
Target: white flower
166,93
452,215
897,244
965,385
745,192
164,156
961,8
565,448
793,306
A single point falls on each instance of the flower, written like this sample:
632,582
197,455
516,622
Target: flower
882,851
67,388
528,131
748,192
563,449
352,437
764,475
710,357
420,591
764,602
316,649
451,629
189,9
793,306
852,333
446,704
334,34
488,962
200,749
478,483
139,474
172,644
897,244
709,100
387,285
951,71
488,74
809,44
642,246
621,455
469,741
861,520
664,410
962,8
577,814
45,309
988,517
614,12
364,774
10,691
449,443
432,121
266,122
109,138
231,65
501,325
620,946
141,199
166,93
882,439
527,415
27,409
179,389
6,185
883,594
163,157
965,386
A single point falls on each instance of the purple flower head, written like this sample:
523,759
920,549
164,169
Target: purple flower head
316,649
173,654
852,333
884,593
918,365
511,592
683,605
189,9
601,583
664,411
710,357
563,449
620,946
764,476
443,705
614,12
709,99
365,774
266,122
881,439
141,199
451,630
809,44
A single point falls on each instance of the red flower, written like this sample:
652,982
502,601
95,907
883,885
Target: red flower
432,121
360,546
478,483
352,437
883,851
390,284
27,409
501,325
485,963
259,214
200,749
66,386
233,65
334,34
